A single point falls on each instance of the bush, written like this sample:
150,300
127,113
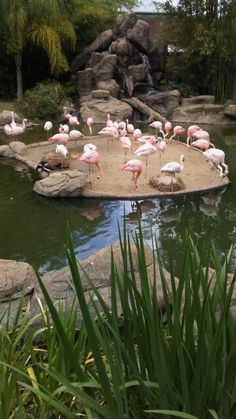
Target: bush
43,101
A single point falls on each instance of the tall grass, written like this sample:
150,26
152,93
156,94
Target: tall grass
146,362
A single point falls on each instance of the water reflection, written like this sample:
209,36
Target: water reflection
33,228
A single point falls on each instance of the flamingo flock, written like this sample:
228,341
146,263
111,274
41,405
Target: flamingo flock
132,141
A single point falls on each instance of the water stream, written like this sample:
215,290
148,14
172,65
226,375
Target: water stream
33,228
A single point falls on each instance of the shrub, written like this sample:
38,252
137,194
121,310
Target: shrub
42,101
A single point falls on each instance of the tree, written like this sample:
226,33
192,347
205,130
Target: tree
206,31
45,23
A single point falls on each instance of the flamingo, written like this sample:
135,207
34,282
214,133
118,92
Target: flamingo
75,135
135,166
173,167
122,125
66,115
217,157
158,126
109,122
19,129
147,139
161,145
13,123
73,120
60,138
137,134
126,144
202,144
89,147
191,130
167,128
8,130
145,150
47,126
178,130
109,132
92,158
129,127
64,128
90,123
61,149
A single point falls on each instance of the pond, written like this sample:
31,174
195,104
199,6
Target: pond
33,228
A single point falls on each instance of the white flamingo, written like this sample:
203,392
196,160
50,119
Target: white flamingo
173,167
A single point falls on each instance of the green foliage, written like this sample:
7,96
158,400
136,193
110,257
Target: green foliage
230,102
207,33
136,359
185,90
42,101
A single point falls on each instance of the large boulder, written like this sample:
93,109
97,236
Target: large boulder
139,35
104,70
15,277
121,46
163,102
196,100
110,85
5,151
98,109
69,183
17,147
85,81
201,114
138,72
123,23
102,41
230,111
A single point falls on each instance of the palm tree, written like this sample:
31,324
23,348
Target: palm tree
45,23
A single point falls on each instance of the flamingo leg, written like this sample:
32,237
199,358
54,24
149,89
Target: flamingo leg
146,165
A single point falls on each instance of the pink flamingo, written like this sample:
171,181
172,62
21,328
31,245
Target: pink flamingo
191,130
90,124
13,123
109,122
66,114
147,139
217,157
73,120
158,126
19,129
126,144
202,144
135,166
136,134
75,135
64,128
167,128
92,158
8,130
201,135
89,147
178,130
60,138
122,125
161,145
145,150
110,133
129,127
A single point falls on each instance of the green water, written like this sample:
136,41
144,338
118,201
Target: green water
33,228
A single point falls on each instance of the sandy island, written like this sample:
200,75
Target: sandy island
198,175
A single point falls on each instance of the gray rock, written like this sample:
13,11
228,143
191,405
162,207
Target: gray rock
230,111
123,23
98,109
85,81
201,114
139,35
104,70
163,102
102,41
62,184
157,58
17,147
110,85
196,100
5,151
121,46
15,277
138,72
80,61
100,94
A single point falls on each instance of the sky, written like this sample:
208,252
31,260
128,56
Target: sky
145,6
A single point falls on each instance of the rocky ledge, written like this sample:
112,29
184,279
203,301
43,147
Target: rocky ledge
18,280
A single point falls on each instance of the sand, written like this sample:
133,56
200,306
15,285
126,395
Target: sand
198,175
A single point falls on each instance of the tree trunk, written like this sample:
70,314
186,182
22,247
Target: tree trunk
18,62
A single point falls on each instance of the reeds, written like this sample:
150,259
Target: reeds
143,358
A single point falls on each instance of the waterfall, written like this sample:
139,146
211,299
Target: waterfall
145,61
